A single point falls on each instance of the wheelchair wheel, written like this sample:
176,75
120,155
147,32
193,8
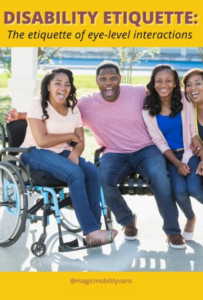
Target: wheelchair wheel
13,204
38,249
69,220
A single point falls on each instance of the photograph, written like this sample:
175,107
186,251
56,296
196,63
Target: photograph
129,200
101,149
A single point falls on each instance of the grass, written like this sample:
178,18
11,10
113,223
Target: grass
3,80
5,104
86,84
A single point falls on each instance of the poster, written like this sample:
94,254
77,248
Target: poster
104,24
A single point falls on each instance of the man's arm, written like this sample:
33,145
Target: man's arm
13,115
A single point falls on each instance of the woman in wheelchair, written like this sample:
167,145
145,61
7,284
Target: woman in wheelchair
54,121
169,118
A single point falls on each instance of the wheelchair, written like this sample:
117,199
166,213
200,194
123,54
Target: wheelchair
18,181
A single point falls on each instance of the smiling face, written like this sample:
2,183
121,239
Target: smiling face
59,89
194,89
108,82
164,83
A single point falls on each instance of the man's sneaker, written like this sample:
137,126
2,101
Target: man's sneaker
176,241
130,231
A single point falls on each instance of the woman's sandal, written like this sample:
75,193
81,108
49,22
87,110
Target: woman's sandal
100,242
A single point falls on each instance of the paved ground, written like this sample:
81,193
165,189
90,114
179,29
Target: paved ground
149,253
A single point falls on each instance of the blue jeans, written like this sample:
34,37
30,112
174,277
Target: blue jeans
150,163
183,186
83,181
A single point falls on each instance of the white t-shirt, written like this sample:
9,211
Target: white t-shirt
56,124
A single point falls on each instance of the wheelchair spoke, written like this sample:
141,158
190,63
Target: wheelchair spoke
11,204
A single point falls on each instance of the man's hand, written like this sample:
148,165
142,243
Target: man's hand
183,169
10,115
74,157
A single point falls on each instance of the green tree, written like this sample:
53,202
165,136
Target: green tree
126,57
44,55
5,58
201,53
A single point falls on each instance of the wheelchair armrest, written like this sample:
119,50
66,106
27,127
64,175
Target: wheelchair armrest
13,150
97,154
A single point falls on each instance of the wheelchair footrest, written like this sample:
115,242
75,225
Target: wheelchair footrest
69,246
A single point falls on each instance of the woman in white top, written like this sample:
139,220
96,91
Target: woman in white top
53,122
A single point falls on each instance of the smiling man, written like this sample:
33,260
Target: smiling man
114,115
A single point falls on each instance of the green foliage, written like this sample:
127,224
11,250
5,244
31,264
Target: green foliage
201,53
44,55
126,57
5,58
3,80
5,104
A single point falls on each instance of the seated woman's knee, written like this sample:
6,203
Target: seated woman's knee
195,193
76,174
180,196
93,173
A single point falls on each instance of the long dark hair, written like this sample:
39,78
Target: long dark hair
152,101
71,101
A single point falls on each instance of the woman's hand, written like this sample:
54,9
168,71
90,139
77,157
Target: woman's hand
183,169
199,169
74,157
75,138
10,115
196,150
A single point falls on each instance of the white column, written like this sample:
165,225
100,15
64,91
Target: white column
23,83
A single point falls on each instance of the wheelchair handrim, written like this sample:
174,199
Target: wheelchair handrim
10,213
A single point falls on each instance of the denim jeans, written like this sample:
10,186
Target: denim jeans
83,181
150,163
183,186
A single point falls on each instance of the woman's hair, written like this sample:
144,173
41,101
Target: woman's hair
152,101
71,101
190,74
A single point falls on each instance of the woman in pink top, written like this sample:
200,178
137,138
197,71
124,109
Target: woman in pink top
53,122
169,118
193,85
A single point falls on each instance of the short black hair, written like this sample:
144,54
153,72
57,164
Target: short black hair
107,64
